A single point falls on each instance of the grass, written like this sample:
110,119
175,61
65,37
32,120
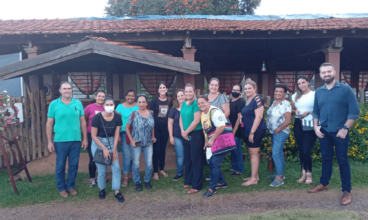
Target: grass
43,189
289,215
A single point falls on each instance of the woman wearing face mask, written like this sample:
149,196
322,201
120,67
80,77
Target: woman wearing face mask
302,108
218,99
212,118
141,137
251,117
278,121
175,133
125,110
160,106
236,105
89,113
193,140
105,135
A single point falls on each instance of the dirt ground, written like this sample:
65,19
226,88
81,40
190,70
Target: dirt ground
162,205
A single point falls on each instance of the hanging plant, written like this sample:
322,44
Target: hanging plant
8,113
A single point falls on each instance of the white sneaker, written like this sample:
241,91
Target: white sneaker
92,182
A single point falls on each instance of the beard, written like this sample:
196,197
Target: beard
328,81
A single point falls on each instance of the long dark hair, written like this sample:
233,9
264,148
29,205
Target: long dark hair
158,86
299,92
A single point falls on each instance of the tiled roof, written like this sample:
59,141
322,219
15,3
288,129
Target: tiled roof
62,26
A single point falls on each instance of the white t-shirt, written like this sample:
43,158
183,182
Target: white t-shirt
304,103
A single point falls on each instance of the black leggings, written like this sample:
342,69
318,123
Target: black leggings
92,166
159,148
193,155
305,141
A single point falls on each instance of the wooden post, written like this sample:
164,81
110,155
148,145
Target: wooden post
33,125
38,123
43,122
26,126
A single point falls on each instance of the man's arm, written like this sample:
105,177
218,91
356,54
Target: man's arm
50,144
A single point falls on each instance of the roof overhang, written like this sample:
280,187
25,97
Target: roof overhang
97,47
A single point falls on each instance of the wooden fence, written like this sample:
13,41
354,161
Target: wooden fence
32,131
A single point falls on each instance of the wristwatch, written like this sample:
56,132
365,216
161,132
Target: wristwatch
251,133
345,127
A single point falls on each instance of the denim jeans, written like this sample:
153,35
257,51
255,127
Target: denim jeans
305,141
115,166
179,149
127,153
66,150
91,166
237,162
327,144
278,142
147,151
159,148
216,173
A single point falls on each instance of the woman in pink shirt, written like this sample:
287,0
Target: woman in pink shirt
89,112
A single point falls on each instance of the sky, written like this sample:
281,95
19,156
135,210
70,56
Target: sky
41,9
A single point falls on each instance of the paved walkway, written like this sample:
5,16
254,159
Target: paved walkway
46,165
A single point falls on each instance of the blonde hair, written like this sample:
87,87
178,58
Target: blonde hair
194,90
251,82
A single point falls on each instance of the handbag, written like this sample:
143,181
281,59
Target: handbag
99,156
131,129
307,125
225,141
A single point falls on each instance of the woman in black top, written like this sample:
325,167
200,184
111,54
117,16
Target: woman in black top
251,116
105,134
160,106
236,105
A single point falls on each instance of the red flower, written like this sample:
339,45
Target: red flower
168,10
197,8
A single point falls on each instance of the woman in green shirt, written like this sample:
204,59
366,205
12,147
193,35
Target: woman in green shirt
193,141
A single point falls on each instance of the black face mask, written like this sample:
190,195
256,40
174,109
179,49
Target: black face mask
235,94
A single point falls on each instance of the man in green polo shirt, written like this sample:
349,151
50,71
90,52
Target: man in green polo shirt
68,115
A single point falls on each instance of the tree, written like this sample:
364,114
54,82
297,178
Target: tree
121,8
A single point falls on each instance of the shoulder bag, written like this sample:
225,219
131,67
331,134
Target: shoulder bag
307,124
99,156
225,141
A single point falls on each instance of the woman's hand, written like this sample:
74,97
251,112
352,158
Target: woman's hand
297,112
251,138
106,153
184,134
172,140
277,131
115,156
133,143
154,140
304,115
210,142
205,145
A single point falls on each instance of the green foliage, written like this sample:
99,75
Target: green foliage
121,8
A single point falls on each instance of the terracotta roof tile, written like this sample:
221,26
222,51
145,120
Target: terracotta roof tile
58,26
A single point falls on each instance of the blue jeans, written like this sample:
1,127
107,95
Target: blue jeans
327,144
115,166
147,151
216,173
66,150
127,153
237,162
278,142
179,149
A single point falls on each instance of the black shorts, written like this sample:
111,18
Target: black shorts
258,136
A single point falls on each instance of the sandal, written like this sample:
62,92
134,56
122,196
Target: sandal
250,182
163,173
125,182
249,178
309,179
302,179
155,176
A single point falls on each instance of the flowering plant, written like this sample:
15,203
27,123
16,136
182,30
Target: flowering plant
7,117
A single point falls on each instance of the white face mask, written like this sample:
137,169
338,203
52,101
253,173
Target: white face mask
109,109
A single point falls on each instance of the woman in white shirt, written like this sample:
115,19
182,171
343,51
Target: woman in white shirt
302,108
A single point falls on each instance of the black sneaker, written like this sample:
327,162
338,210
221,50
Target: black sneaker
223,186
177,177
119,197
138,186
208,193
148,185
102,194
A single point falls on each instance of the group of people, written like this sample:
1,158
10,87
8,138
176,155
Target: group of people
194,124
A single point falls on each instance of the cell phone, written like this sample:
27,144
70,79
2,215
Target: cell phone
138,143
190,138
